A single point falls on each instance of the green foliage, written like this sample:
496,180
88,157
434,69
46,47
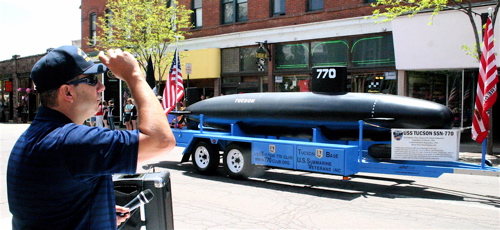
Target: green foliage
144,28
395,8
473,52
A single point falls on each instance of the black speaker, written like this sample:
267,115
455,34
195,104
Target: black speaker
192,96
158,213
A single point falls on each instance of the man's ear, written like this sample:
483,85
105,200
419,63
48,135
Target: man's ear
66,92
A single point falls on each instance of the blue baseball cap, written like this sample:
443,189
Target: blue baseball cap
60,66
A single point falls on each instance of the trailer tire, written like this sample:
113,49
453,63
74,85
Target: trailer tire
237,161
380,151
205,158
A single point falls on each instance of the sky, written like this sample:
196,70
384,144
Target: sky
30,27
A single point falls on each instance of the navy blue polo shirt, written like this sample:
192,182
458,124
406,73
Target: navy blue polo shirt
59,173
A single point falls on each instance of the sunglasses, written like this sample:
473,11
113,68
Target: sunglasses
90,80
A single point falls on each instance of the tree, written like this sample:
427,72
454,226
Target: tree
145,28
391,9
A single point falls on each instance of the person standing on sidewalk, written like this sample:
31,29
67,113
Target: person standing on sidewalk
111,117
128,114
105,114
59,171
99,116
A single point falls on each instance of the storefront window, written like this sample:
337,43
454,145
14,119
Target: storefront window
373,51
292,56
454,89
230,60
249,61
383,82
330,53
429,86
246,84
292,83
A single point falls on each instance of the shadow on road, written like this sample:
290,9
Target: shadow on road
332,186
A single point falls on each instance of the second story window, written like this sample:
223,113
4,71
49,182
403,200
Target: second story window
313,5
277,7
93,29
197,13
234,11
108,22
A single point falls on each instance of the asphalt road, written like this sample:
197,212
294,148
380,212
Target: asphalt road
281,199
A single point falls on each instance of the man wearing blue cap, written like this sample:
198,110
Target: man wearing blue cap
59,171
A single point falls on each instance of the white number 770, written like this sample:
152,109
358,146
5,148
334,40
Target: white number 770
331,73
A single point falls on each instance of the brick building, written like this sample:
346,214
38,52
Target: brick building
227,35
17,88
240,46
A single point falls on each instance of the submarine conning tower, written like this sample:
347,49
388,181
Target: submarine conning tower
329,80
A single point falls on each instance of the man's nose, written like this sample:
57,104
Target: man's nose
100,87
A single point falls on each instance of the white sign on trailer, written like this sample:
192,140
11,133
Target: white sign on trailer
425,144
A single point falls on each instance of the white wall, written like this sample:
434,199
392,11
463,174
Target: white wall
419,46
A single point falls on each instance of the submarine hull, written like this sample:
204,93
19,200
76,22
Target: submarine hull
337,115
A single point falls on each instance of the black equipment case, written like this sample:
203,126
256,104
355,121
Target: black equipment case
158,212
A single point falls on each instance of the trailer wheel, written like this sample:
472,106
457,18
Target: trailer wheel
237,161
380,151
205,158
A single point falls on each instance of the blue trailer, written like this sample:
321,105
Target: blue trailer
322,131
243,153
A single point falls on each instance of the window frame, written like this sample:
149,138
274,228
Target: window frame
236,14
312,3
93,28
194,16
276,13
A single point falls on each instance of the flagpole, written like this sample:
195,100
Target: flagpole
177,60
483,155
484,145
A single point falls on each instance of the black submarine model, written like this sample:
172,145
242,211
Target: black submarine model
335,112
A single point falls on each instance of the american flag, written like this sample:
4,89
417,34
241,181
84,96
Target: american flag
486,86
174,88
453,93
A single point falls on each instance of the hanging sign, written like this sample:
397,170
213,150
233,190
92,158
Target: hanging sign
8,86
261,57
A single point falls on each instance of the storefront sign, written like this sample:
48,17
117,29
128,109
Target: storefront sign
8,86
189,68
261,56
390,75
425,144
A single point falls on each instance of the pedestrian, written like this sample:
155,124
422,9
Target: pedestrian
98,116
105,114
128,114
59,171
111,118
133,116
19,112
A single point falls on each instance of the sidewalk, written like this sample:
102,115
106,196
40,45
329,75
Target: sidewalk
471,152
